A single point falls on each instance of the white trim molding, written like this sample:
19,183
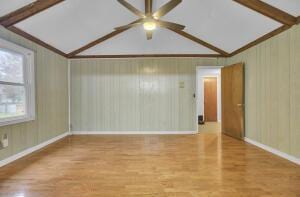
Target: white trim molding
31,150
69,95
274,151
133,132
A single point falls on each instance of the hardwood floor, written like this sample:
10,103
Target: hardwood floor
207,164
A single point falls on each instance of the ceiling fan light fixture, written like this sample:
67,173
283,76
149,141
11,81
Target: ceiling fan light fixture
155,17
149,25
151,20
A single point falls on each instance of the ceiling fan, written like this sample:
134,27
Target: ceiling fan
150,20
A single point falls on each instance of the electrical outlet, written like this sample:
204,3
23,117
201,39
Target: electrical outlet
4,141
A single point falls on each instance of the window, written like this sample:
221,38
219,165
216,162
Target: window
17,98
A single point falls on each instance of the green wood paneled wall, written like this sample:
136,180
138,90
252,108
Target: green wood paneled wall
135,94
273,91
51,100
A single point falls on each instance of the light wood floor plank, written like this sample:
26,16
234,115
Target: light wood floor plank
206,164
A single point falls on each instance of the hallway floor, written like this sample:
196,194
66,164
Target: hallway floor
211,127
206,164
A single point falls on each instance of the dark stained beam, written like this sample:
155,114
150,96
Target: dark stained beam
298,19
261,39
98,41
269,11
199,41
27,11
144,56
36,40
95,42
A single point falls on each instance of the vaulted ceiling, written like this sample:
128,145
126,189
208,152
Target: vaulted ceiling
78,28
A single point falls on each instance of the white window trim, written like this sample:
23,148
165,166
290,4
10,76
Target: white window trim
29,83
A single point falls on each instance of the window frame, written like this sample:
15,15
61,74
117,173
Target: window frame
28,82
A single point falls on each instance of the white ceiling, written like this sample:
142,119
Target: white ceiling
74,23
225,24
134,41
7,6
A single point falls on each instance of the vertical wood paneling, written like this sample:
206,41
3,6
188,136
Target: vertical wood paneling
284,92
294,90
135,94
129,97
76,85
268,69
51,100
273,91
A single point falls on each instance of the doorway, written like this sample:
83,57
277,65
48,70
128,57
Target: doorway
209,109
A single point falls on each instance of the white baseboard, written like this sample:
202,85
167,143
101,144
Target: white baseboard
32,149
133,132
274,151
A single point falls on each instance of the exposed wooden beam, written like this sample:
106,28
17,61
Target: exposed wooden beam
199,41
41,5
269,11
95,42
298,19
144,56
98,41
36,40
27,11
261,39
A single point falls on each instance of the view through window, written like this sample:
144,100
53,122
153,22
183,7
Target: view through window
16,83
12,90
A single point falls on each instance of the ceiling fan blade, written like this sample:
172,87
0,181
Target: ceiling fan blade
132,8
166,8
133,24
148,7
170,25
149,35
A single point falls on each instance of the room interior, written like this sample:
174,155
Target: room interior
209,102
100,98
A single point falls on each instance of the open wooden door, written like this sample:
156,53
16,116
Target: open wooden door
233,115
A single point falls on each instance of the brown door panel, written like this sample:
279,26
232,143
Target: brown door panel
233,117
210,99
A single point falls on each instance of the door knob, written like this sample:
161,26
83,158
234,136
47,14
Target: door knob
240,105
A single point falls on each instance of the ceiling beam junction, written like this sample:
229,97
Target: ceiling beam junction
99,40
199,41
261,39
35,40
269,11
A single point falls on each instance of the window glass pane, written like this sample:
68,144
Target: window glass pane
12,101
11,66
